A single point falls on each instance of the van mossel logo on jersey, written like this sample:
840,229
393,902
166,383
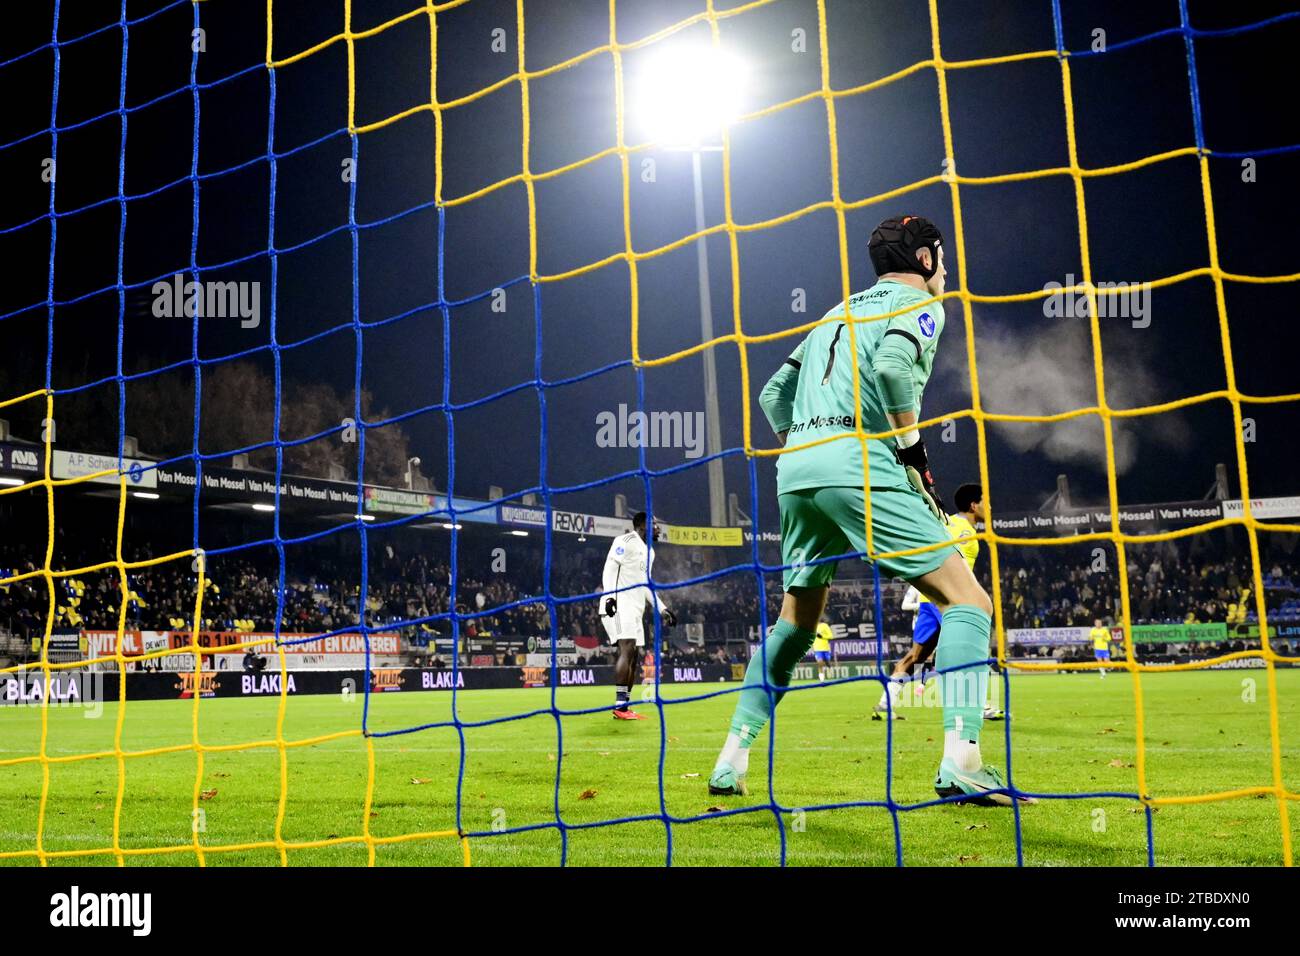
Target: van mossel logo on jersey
822,421
1115,300
926,321
624,429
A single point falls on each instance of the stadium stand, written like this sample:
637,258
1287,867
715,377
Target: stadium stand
409,579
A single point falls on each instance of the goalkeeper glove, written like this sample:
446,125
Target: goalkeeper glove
917,466
670,619
611,607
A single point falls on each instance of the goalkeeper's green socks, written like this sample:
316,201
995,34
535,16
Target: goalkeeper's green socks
781,650
963,639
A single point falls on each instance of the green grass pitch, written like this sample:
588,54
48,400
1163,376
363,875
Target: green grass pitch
1070,734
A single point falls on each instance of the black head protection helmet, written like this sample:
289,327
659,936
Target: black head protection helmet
894,244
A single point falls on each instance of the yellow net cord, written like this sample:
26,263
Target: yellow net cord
615,49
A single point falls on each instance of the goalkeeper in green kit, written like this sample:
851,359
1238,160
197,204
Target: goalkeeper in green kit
820,492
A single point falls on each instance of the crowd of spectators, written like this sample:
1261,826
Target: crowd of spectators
498,593
1166,586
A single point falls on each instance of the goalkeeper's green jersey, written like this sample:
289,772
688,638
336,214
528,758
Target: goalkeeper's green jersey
811,395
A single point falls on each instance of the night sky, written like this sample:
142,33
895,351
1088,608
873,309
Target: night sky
1129,103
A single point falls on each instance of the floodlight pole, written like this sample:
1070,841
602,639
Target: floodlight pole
712,418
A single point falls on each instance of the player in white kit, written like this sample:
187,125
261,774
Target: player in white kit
622,614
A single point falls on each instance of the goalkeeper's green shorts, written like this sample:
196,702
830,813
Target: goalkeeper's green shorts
819,523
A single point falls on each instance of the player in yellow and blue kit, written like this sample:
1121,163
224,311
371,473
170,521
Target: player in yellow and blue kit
925,628
849,370
1100,643
821,649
